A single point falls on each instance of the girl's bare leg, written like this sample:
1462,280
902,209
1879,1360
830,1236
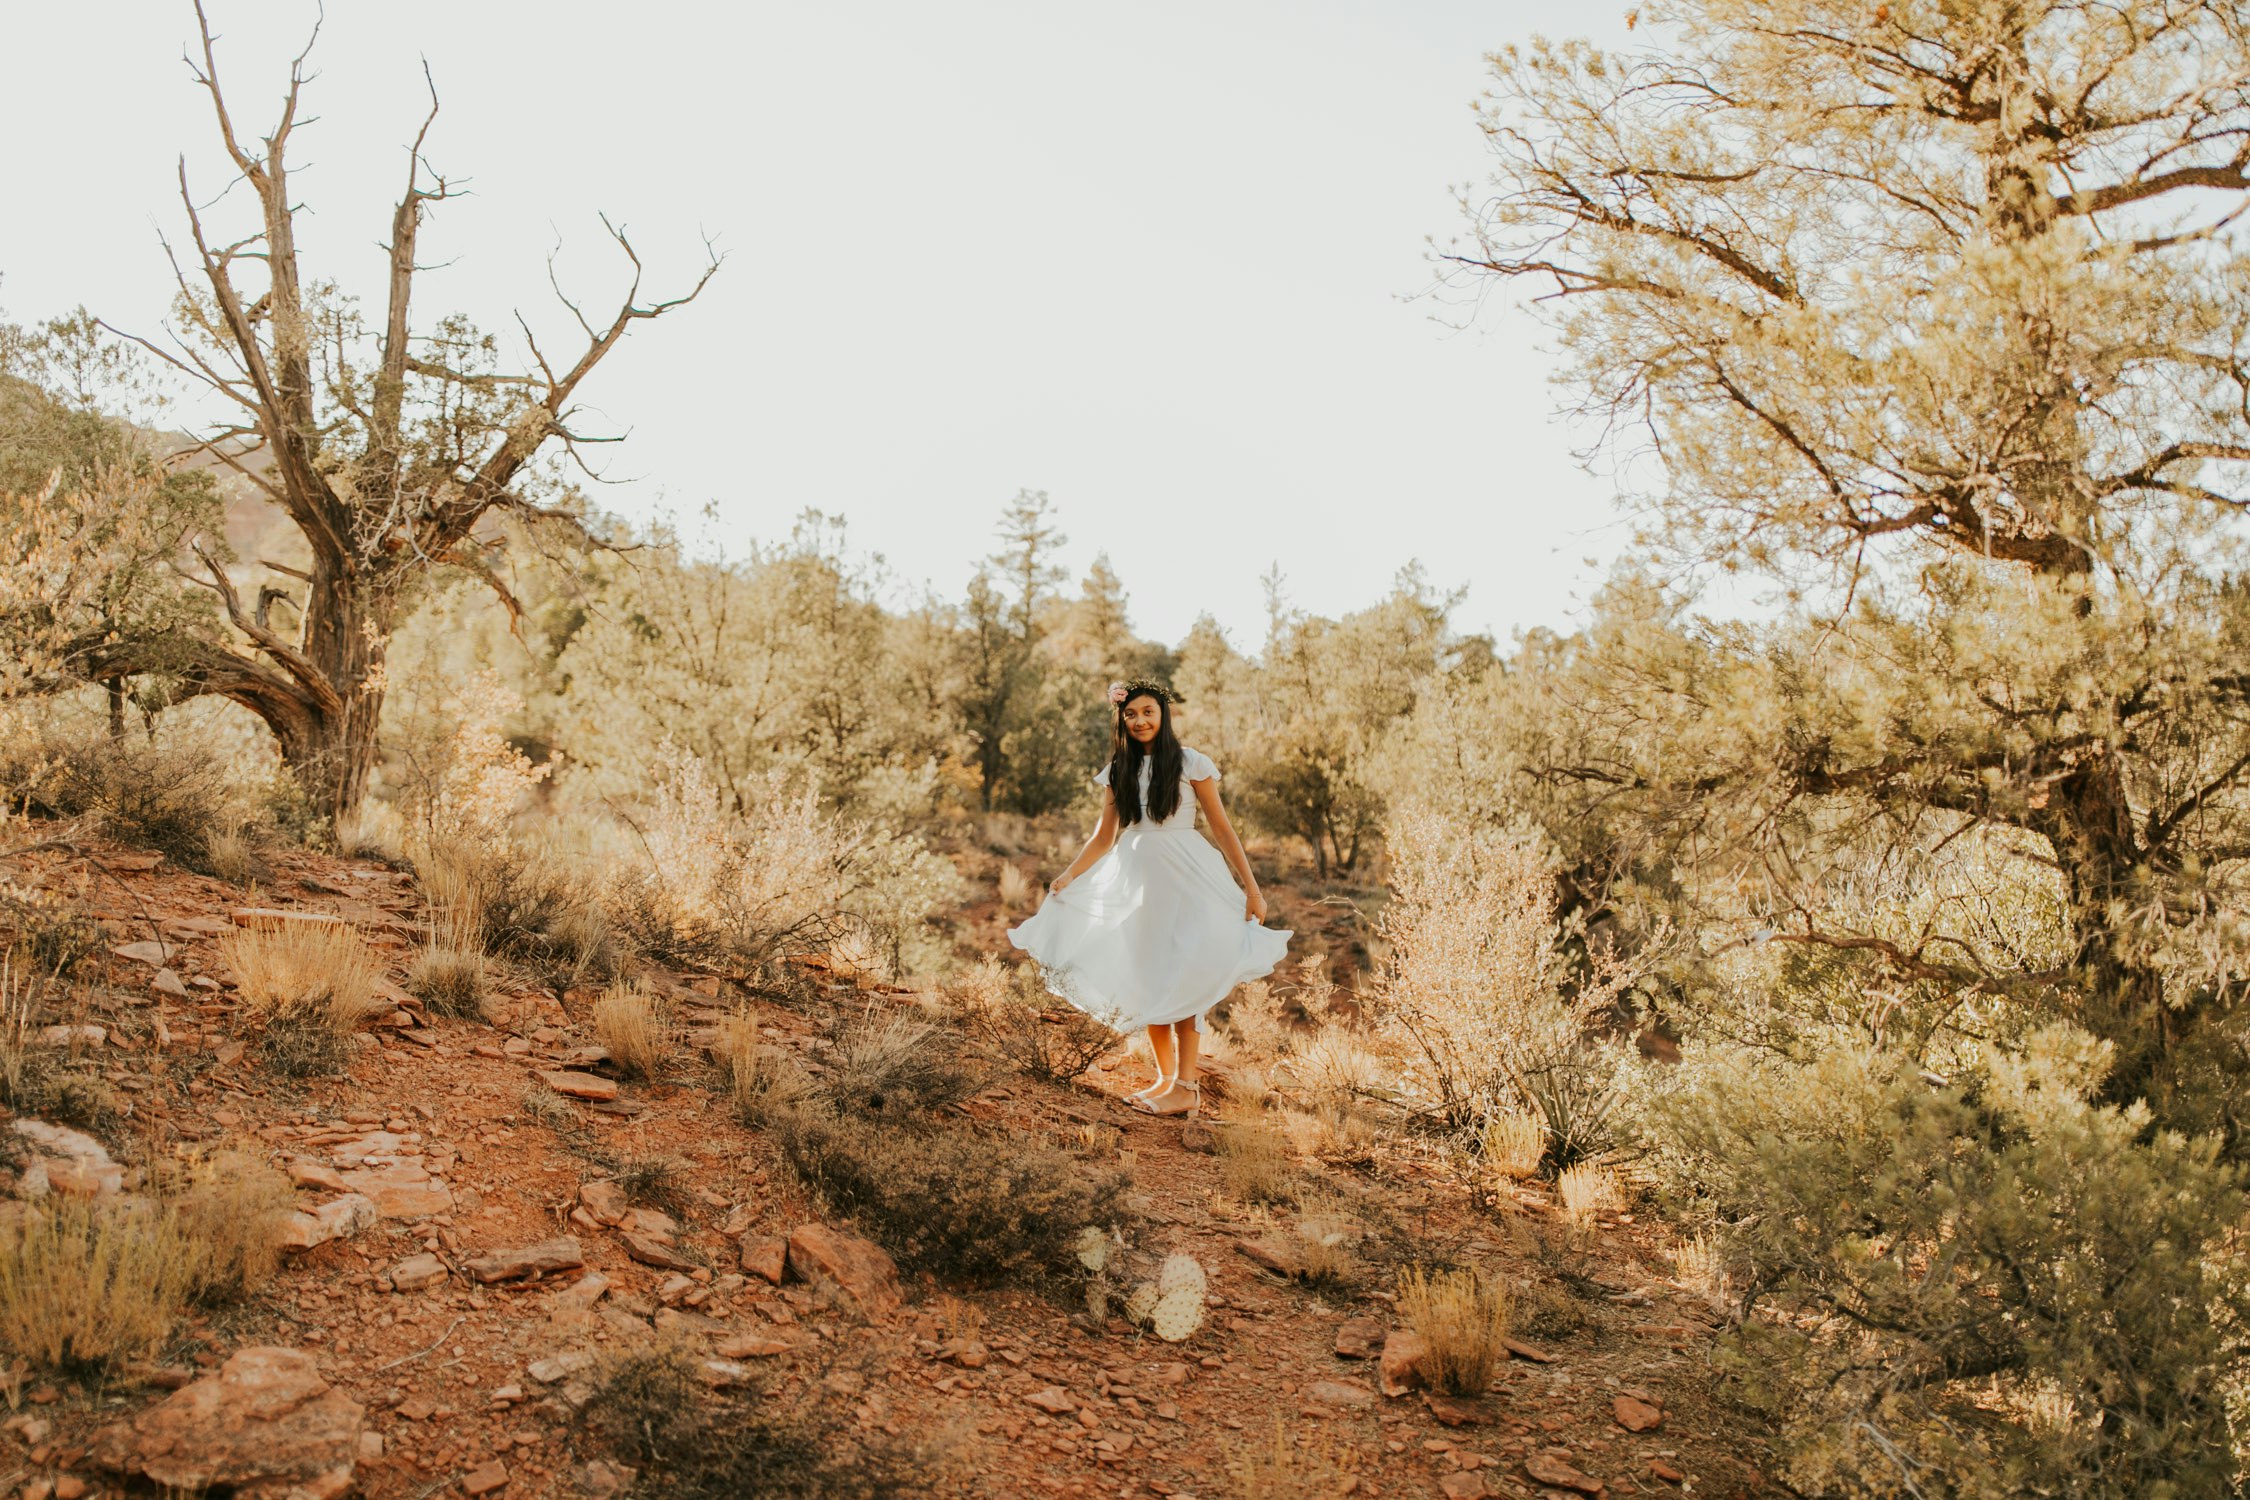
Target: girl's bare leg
1179,1095
1160,1047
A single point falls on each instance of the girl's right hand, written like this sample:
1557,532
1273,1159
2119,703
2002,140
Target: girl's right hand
1055,886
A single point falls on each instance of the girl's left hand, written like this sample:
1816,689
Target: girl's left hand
1254,907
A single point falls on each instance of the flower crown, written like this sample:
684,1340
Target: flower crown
1121,693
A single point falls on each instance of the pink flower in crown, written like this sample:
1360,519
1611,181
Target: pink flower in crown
1117,692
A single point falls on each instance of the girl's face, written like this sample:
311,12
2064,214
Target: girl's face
1144,716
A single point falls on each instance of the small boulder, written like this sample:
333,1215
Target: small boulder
1635,1415
604,1202
1557,1473
858,1268
655,1250
560,1254
1403,1356
574,1085
267,1425
338,1218
1359,1338
418,1271
1349,1395
765,1256
1053,1400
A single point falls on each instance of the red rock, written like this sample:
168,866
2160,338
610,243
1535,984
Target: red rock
311,1174
265,1425
148,951
1527,1351
1352,1395
655,1250
1403,1355
560,1254
1468,1485
1550,1470
751,1346
1263,1256
1665,1471
418,1271
1636,1416
1452,1411
604,1201
580,1085
1359,1338
484,1478
765,1256
1053,1400
339,1218
167,982
859,1268
401,1191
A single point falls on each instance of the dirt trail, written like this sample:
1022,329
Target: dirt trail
431,1124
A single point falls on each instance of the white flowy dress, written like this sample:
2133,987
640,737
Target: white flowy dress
1153,932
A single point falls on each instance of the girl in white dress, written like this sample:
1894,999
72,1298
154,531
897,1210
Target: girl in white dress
1146,928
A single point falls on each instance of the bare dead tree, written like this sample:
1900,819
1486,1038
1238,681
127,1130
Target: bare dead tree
386,449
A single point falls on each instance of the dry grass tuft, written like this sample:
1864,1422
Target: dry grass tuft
657,1181
450,981
1699,1265
541,1105
232,1206
1587,1189
1015,889
1324,1253
1514,1143
761,1078
632,1024
305,970
84,1285
1463,1318
1286,1466
1254,1162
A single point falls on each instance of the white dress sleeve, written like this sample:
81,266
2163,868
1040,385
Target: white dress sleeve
1101,777
1199,767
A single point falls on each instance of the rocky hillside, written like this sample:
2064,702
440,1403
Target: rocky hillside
491,1222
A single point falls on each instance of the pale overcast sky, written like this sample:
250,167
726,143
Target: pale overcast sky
1157,260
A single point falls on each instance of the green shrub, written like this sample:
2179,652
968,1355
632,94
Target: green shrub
972,1204
174,801
1989,1287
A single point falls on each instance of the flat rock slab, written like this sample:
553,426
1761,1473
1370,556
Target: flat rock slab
579,1085
1452,1411
1360,1338
1053,1400
1350,1395
418,1271
1550,1470
1265,1257
148,951
337,1219
751,1346
560,1254
266,1425
1636,1416
1531,1352
861,1269
655,1250
401,1191
168,982
605,1201
765,1256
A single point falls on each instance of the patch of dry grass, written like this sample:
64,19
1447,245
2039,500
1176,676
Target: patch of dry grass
305,970
1254,1161
86,1285
1588,1189
633,1025
761,1078
1015,889
1286,1465
232,1206
1514,1143
1463,1318
897,1064
1324,1251
450,981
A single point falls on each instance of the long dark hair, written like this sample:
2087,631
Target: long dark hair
1126,755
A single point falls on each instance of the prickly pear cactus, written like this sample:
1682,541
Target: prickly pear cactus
1177,1314
1181,1273
1093,1248
1140,1302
